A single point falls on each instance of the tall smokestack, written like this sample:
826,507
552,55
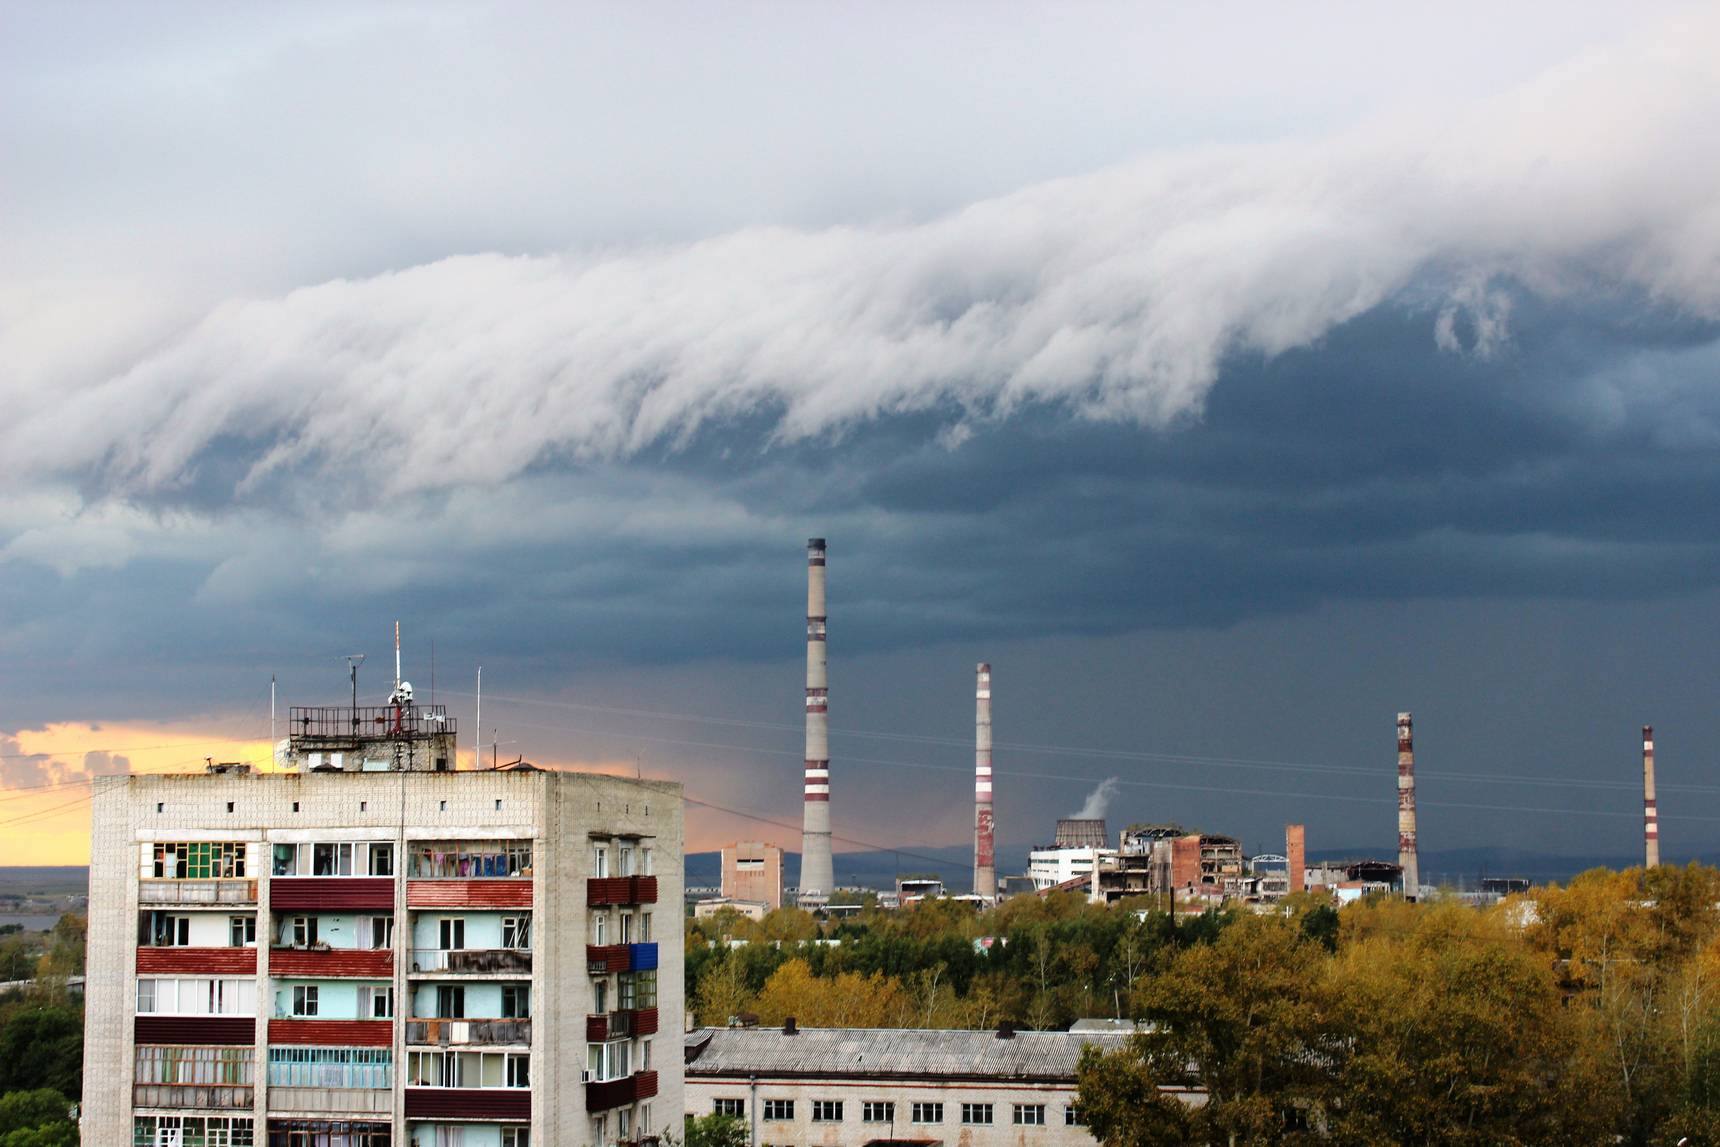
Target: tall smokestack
1407,858
984,852
817,879
1650,815
1295,852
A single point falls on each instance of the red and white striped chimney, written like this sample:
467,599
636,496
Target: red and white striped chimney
1408,859
817,878
1650,815
984,850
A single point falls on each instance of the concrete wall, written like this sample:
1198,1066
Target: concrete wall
759,878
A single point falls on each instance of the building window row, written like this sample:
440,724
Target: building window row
628,860
182,930
349,1067
206,1066
199,860
162,996
976,1114
468,1069
827,1111
334,858
872,1112
881,1111
191,1131
328,1133
470,859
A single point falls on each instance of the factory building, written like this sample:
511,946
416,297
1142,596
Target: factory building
835,1087
752,871
378,949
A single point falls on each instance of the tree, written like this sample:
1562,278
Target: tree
64,1134
715,1131
31,1109
1120,1101
43,1046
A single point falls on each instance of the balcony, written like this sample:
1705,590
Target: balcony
227,1030
609,890
620,1025
605,958
197,961
469,1033
332,1033
191,893
331,893
346,963
201,1097
610,1093
464,892
502,1103
473,961
320,1100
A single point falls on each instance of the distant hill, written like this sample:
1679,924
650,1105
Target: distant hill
44,880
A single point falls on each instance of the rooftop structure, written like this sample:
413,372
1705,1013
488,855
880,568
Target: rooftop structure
1072,833
752,870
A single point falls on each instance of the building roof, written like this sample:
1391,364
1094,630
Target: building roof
891,1052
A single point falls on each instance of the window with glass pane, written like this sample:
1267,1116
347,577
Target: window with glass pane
382,860
928,1113
516,1001
516,932
1029,1114
875,1112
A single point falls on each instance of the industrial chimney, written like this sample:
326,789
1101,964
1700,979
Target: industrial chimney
1650,815
817,879
1407,859
984,852
1296,856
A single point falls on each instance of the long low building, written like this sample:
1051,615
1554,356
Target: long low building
865,1087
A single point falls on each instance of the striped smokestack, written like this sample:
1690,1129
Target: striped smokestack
984,852
1650,815
1407,858
817,880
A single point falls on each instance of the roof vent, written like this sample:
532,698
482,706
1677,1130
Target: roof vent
1006,1030
788,1027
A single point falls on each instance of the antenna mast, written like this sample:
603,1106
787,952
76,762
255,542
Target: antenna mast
271,713
397,656
478,725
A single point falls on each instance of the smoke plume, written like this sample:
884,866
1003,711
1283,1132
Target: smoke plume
1097,801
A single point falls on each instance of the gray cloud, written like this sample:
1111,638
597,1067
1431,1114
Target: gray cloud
1116,296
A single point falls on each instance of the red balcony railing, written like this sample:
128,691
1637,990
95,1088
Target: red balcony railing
603,890
197,961
350,963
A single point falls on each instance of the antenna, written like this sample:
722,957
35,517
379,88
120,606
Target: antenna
353,661
397,655
271,712
478,725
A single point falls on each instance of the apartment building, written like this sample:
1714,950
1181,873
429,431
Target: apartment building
835,1087
359,954
752,870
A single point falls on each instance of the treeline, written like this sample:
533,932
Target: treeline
1582,1014
41,1037
1035,962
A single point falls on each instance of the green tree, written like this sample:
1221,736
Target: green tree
43,1046
1119,1097
64,1134
31,1109
715,1131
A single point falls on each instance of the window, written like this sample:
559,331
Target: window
626,860
777,1110
638,990
626,928
928,1113
644,1120
164,996
450,1002
376,1003
190,1130
516,1137
599,861
331,859
359,1067
607,1061
1028,1115
241,931
645,866
382,860
827,1111
468,1069
1072,1116
623,1123
171,931
516,1001
381,932
976,1114
201,1066
304,999
453,934
734,1108
599,925
644,927
198,860
877,1112
302,931
516,932
470,859
600,995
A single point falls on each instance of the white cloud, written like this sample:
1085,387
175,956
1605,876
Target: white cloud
1116,294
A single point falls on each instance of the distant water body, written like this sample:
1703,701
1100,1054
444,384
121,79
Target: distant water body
30,923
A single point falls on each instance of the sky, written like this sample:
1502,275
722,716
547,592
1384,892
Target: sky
1231,377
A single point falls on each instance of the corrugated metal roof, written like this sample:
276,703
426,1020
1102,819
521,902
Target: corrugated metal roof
869,1052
